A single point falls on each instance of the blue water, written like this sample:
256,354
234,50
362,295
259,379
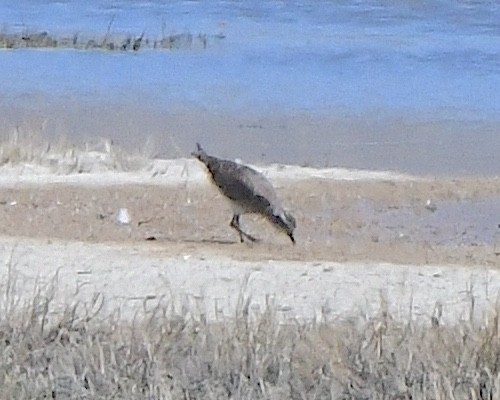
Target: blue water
429,60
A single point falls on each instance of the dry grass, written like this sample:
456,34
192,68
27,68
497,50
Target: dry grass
26,146
168,353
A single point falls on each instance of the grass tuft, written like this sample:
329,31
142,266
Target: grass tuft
167,353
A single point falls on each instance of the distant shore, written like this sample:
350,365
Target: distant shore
43,40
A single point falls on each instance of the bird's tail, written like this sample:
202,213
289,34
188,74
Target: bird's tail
200,154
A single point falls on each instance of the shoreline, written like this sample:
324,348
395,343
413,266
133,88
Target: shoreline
384,140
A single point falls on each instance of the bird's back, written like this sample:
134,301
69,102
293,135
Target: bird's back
243,185
249,191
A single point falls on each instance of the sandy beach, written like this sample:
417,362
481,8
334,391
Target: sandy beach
363,237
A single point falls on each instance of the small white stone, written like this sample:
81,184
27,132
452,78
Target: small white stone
123,216
430,205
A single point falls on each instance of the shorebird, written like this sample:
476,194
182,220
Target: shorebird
249,192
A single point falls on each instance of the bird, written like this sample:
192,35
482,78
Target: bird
249,192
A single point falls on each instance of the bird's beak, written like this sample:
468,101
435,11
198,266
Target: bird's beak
290,235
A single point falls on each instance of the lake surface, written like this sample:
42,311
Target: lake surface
412,86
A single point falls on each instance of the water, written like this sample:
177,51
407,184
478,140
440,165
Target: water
407,85
451,223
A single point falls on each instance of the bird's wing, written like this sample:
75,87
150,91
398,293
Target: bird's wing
241,183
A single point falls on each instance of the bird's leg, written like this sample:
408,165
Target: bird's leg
235,223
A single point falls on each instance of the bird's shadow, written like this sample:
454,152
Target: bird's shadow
193,241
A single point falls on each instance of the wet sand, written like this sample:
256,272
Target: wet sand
402,221
424,145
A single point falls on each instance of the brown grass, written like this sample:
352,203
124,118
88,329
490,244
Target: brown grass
168,353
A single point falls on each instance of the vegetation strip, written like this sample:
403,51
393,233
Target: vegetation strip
108,42
169,353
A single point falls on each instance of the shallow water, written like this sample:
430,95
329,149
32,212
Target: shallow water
445,223
408,86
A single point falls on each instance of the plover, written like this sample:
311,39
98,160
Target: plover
249,192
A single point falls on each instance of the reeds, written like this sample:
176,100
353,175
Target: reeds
108,42
176,353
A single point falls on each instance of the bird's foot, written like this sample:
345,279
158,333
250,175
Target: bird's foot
235,224
248,236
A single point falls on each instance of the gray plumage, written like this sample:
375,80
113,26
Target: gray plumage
249,191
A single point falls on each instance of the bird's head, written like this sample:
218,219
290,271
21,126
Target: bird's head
284,221
199,152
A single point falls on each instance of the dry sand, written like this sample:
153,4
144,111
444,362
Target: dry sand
362,236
